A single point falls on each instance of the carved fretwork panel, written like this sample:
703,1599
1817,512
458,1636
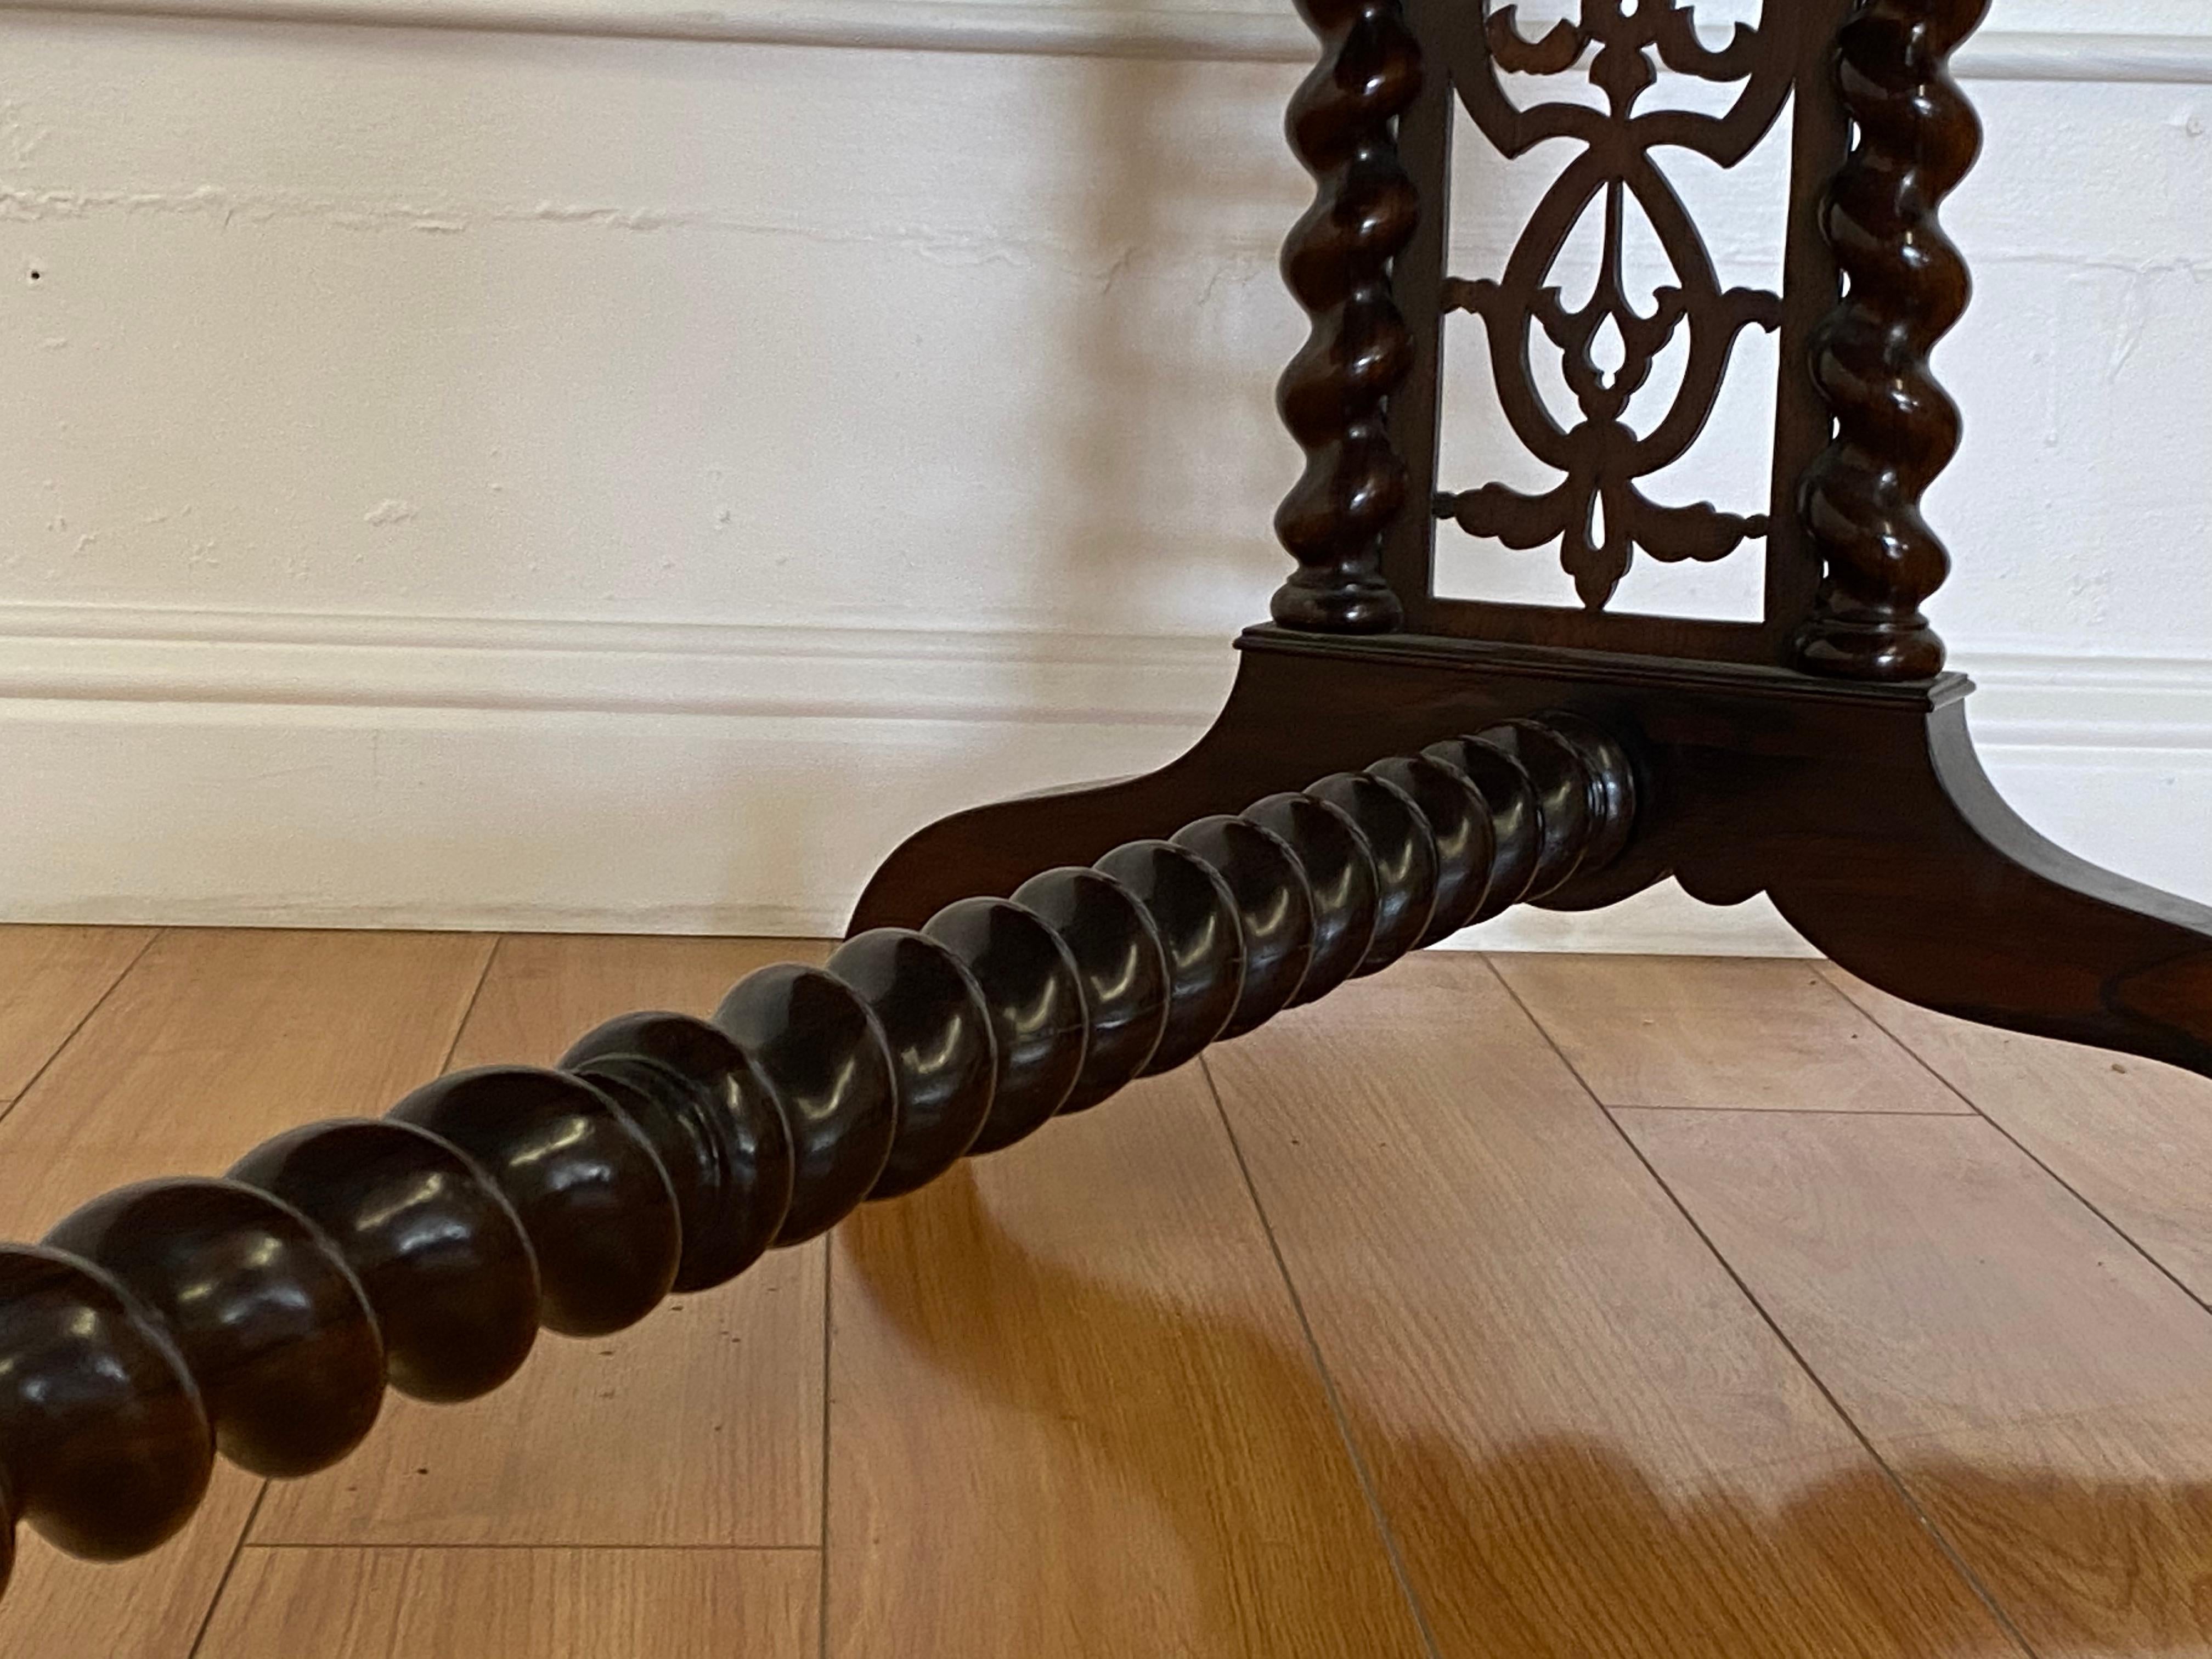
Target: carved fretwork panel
1599,511
1621,92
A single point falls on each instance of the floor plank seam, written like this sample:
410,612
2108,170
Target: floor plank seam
352,1547
828,1335
2029,1153
1384,1530
1774,1111
469,1008
229,1567
1935,1533
114,985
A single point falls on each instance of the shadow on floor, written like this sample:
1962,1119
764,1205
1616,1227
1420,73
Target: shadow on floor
1560,1548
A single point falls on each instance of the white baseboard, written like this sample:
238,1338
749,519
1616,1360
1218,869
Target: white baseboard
540,665
220,768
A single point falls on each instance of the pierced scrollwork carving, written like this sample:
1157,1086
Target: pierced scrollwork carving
1598,512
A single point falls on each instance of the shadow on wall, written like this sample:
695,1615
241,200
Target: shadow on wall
1120,528
1558,1547
1168,225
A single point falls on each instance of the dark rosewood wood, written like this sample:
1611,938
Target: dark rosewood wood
1896,428
1859,808
1458,818
938,1030
1274,911
1033,987
1339,867
110,1450
1335,393
1599,511
439,1253
1526,835
264,1315
823,1051
275,1329
1195,913
1599,508
594,1202
1404,851
714,1122
1123,962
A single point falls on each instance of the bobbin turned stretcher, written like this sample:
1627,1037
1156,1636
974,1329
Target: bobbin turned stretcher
1030,959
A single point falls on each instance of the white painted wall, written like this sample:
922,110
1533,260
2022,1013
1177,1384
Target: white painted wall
423,444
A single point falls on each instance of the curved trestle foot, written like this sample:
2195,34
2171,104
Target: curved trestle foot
1861,809
263,1316
1947,899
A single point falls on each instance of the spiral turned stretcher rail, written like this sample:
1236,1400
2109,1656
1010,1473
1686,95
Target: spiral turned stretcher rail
263,1315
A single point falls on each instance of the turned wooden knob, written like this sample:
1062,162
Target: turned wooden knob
262,1315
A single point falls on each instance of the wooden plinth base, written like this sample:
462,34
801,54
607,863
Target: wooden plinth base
1861,809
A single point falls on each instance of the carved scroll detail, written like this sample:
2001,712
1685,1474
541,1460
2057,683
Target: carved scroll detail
1897,429
1597,512
1337,261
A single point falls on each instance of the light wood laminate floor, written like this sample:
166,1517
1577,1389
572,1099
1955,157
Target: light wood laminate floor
1565,1307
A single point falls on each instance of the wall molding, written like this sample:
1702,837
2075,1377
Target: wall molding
513,664
202,767
1071,30
522,665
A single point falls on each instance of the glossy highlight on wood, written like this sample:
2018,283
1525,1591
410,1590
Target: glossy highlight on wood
1338,862
1403,851
1896,428
714,1123
1459,817
822,1049
595,1203
1195,914
1333,396
1274,911
113,1450
264,1316
938,1027
1123,962
275,1329
439,1253
1568,759
1032,986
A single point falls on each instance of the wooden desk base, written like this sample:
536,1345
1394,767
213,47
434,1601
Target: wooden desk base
1861,809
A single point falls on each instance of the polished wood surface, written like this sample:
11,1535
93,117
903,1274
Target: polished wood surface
1200,1384
1599,512
1915,136
2036,1384
1584,1437
1334,396
2132,1137
1860,811
1590,87
264,1316
212,1041
1081,1363
697,1427
55,976
1880,135
1660,1031
517,1604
